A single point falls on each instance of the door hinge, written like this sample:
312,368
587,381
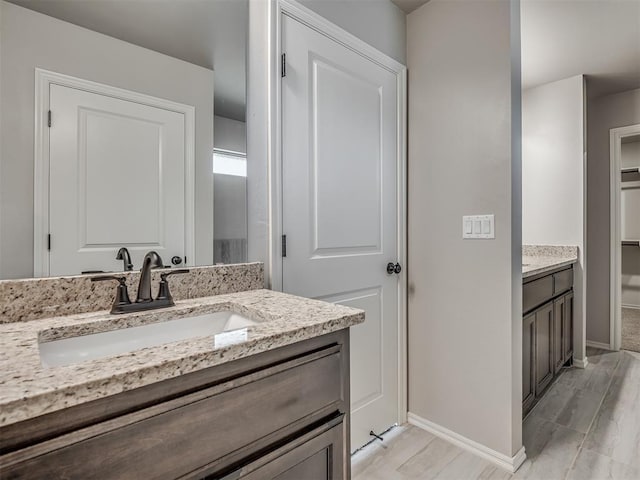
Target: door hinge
49,242
283,66
49,118
284,245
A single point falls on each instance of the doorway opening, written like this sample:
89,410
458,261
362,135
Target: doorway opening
625,238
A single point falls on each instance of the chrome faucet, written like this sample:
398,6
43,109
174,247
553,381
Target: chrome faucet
144,300
123,254
151,260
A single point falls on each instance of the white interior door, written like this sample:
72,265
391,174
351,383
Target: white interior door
117,178
339,174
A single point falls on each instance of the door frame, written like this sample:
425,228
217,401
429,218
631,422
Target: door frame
298,12
615,271
43,80
615,245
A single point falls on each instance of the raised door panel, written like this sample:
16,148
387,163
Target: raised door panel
528,362
559,311
567,337
544,347
346,162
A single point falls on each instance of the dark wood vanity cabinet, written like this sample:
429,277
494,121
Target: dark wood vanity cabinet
282,414
545,339
528,361
319,455
547,331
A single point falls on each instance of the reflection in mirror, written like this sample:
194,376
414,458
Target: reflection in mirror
122,130
230,191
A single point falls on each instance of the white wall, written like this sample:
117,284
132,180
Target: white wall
259,148
465,304
630,154
380,23
28,40
603,114
630,215
229,134
230,192
630,279
553,177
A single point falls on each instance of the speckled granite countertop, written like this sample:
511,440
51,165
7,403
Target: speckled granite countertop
29,389
538,259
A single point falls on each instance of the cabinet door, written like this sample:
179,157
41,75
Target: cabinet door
559,312
544,347
528,362
567,330
317,455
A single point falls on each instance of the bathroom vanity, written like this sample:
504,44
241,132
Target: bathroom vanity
270,400
547,329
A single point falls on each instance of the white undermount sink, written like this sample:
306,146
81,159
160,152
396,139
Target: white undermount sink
69,351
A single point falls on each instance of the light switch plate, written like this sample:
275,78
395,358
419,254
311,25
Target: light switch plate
478,226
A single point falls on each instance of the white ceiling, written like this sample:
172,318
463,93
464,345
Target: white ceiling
409,6
209,33
560,38
598,38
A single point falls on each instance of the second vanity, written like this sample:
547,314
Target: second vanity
269,399
547,306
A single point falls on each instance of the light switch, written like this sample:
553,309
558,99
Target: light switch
478,226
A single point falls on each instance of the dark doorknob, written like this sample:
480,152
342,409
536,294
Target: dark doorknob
176,260
393,268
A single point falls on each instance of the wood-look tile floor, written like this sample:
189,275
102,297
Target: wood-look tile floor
587,427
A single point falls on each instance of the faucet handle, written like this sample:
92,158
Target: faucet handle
163,291
122,294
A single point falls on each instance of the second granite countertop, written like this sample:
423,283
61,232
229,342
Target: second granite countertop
28,389
537,259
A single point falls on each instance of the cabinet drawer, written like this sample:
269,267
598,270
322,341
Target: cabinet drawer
536,292
177,437
562,281
318,455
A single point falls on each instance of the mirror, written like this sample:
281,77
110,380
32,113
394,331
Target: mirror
122,130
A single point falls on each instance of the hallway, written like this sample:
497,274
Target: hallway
587,427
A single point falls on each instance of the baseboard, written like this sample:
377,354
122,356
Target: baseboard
600,345
511,464
580,362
